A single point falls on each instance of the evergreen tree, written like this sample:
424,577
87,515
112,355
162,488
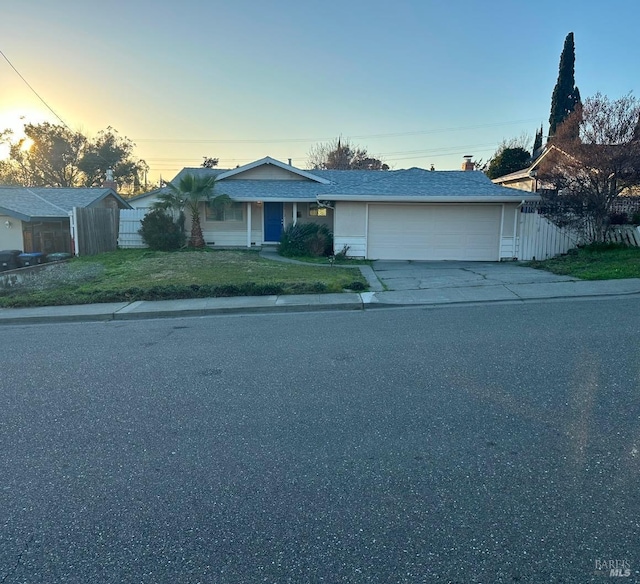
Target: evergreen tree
507,161
565,95
537,143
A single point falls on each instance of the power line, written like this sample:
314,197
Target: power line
397,155
361,136
34,91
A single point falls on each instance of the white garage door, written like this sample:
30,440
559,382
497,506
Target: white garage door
434,232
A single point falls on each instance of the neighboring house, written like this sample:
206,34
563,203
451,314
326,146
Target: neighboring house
37,218
398,214
525,179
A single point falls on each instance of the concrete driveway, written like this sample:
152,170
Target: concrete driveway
413,275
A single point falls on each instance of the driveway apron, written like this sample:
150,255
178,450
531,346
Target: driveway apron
413,275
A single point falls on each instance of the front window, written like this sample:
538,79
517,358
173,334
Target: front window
316,211
231,212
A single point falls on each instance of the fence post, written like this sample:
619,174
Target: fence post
73,226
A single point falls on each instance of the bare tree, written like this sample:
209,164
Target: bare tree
341,154
595,158
209,162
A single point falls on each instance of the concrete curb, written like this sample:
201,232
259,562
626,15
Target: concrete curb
470,295
181,308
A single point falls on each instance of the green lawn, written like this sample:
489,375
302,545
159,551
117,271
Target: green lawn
127,275
595,262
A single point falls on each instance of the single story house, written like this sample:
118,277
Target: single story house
36,219
413,214
527,178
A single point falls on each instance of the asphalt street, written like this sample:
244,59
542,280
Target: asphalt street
469,444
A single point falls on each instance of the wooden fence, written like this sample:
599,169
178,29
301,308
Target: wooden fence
539,238
627,234
94,230
130,222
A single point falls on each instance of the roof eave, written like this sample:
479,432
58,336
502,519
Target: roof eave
433,199
257,199
15,214
520,175
45,218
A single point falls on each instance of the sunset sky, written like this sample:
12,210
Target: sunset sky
416,82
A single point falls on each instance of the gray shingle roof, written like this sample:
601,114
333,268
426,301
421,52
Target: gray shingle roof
417,182
414,183
363,184
39,202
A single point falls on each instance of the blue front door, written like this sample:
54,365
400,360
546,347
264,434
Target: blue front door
273,220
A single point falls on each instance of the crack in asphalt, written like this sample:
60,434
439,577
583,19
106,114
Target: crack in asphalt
483,276
18,561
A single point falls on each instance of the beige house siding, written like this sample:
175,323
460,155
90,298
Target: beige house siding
219,238
350,228
264,172
231,233
511,212
523,184
10,238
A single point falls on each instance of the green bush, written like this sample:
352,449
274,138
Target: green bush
306,239
161,232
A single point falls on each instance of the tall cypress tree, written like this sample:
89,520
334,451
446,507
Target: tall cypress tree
566,95
537,143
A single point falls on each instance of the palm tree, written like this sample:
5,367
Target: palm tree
190,192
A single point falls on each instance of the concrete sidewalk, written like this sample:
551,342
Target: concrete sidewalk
474,293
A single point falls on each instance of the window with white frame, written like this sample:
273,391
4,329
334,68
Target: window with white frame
229,212
316,210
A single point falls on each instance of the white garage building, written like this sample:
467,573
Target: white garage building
428,215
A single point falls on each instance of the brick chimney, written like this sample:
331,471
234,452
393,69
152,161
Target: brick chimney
468,164
109,182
